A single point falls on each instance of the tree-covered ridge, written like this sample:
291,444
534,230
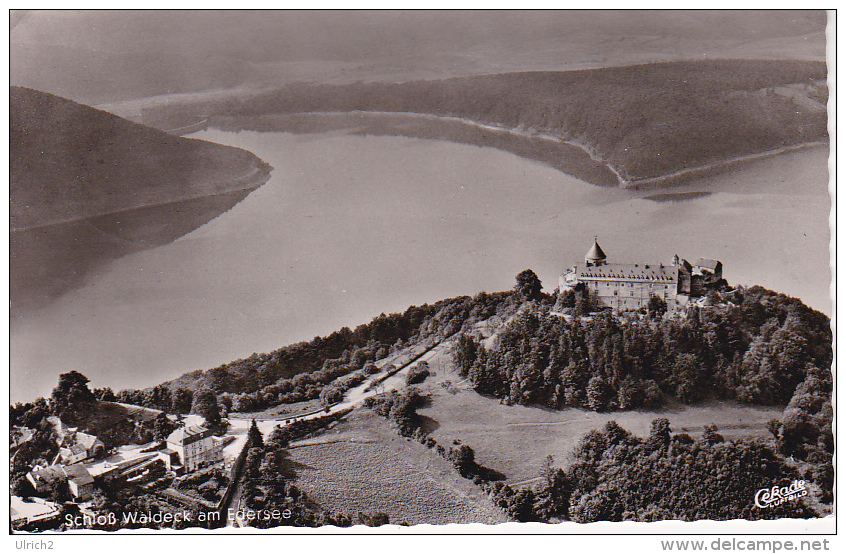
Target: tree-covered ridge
752,345
301,371
644,120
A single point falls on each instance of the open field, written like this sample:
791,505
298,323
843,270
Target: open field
362,465
516,439
293,409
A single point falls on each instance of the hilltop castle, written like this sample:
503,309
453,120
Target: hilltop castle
630,286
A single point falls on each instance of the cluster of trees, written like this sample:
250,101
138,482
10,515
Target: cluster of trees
417,374
210,485
334,392
318,384
303,428
617,476
400,408
754,345
805,430
160,397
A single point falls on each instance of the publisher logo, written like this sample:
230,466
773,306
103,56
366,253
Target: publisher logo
767,498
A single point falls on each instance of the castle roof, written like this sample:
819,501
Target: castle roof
628,272
595,253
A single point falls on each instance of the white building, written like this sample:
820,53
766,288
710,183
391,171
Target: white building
196,446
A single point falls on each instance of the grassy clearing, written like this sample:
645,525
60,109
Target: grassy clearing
294,409
516,439
362,465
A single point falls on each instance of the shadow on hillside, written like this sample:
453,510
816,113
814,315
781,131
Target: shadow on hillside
488,474
289,468
427,424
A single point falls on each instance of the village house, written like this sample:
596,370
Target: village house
196,447
46,479
630,286
75,446
80,482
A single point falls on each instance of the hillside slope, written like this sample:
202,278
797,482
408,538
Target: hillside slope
645,122
87,186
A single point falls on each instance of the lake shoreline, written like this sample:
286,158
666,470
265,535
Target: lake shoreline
569,157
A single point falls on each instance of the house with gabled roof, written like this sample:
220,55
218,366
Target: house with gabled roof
196,446
45,479
80,482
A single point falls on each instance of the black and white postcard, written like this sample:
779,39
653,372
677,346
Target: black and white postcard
371,270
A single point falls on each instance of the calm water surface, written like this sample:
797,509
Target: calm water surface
352,226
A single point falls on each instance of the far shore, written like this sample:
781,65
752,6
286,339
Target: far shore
570,164
247,182
670,179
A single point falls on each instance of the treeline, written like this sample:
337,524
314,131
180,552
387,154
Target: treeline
754,345
805,430
617,476
690,112
311,370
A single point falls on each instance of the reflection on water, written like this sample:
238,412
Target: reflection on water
352,226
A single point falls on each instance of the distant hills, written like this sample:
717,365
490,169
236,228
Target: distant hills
645,122
96,56
87,186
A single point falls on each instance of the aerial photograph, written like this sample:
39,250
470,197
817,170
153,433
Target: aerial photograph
383,268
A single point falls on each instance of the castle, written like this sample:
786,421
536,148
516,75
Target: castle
630,286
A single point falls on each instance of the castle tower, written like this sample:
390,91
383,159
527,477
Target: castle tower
595,255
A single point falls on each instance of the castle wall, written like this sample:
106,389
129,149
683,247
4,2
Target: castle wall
631,295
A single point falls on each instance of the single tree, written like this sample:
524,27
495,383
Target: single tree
205,404
528,285
464,460
71,395
254,437
656,307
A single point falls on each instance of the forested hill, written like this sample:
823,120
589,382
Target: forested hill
645,121
752,345
69,161
749,344
87,187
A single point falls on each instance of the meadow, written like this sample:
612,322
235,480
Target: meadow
362,465
516,439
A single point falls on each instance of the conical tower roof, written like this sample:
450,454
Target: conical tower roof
595,254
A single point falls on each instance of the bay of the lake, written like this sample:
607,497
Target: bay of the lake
352,226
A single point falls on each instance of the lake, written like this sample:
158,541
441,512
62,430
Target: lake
350,226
